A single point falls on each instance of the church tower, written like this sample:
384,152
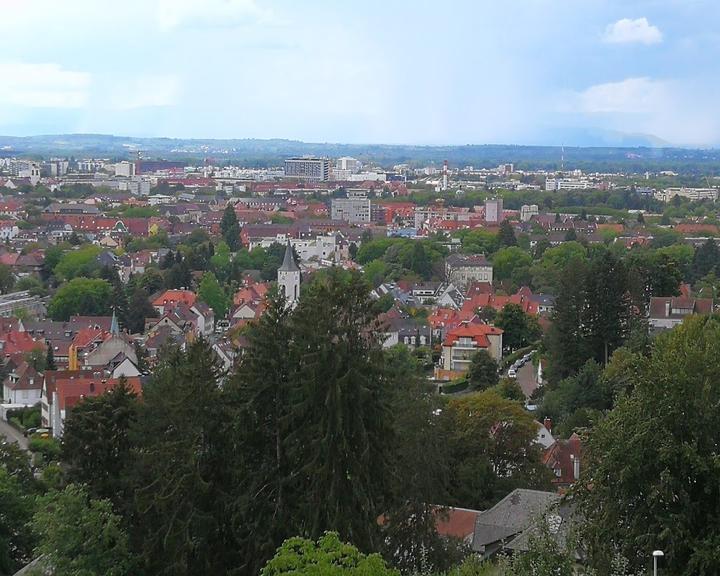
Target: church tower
289,277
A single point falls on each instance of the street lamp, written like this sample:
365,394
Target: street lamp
656,554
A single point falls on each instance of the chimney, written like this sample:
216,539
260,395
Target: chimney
548,424
576,466
667,307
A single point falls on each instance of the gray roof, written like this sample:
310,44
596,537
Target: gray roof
288,264
511,516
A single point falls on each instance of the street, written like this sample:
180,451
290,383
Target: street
526,378
13,435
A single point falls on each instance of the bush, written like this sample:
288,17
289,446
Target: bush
24,418
47,448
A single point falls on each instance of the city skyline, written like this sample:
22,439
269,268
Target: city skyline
529,72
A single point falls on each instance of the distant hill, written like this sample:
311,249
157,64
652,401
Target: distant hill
253,152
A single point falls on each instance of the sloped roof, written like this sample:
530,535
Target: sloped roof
510,516
288,264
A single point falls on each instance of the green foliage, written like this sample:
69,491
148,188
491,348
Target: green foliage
483,371
506,234
652,478
84,296
78,535
47,448
96,444
493,450
80,262
547,274
139,308
16,540
507,260
230,228
326,557
213,294
519,329
180,461
7,279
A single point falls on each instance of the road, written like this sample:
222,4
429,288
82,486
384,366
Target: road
526,378
13,435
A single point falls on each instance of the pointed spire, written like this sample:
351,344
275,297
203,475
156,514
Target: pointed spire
288,264
114,326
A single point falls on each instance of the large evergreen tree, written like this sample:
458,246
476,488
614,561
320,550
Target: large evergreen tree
182,458
260,393
230,228
96,444
341,423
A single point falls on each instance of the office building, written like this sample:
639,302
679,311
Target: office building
308,168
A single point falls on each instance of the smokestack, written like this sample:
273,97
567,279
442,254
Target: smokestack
445,175
548,424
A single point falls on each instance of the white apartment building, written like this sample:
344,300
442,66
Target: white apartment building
527,211
354,209
690,193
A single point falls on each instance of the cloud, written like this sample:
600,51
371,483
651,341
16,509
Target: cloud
630,96
145,91
173,14
30,85
680,111
627,31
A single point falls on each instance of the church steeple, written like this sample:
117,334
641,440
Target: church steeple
289,276
114,326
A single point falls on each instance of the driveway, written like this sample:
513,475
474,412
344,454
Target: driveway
526,378
13,435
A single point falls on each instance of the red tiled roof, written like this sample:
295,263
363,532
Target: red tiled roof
175,296
477,332
70,391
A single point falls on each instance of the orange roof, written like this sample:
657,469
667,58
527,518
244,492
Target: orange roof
15,342
175,296
70,391
477,332
86,336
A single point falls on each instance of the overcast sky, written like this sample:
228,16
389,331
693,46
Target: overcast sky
370,71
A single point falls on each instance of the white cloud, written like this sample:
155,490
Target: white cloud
630,96
627,31
680,111
31,85
145,92
209,13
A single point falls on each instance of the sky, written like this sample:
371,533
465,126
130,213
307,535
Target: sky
574,72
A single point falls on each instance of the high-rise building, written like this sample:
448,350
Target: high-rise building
308,168
494,210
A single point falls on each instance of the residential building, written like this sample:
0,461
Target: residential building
354,209
498,527
461,270
308,168
527,211
462,342
23,385
563,458
668,312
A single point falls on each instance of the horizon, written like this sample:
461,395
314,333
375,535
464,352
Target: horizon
351,144
533,72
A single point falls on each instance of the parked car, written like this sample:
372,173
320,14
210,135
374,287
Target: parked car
512,373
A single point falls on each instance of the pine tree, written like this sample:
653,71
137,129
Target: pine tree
230,228
182,456
565,342
139,309
50,358
506,234
260,392
607,311
341,431
706,259
96,444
